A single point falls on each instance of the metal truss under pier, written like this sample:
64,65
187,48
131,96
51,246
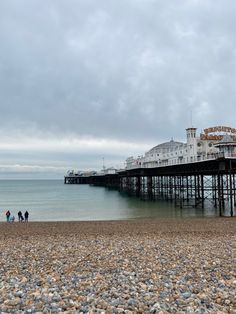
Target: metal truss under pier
204,184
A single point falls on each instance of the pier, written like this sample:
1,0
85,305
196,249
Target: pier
210,183
200,173
108,180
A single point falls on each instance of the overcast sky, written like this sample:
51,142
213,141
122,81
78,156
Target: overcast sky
82,80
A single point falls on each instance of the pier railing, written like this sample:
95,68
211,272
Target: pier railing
153,163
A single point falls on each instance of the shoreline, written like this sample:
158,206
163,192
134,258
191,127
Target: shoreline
204,225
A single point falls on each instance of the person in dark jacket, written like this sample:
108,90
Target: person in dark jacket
8,214
26,216
20,216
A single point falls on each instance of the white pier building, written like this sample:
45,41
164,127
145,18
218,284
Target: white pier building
213,143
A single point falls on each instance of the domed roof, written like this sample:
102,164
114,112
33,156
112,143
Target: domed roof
166,145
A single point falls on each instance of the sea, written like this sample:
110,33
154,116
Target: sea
52,200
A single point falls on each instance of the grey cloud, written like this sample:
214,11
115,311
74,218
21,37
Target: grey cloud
127,70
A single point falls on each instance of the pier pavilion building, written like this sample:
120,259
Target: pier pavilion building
213,143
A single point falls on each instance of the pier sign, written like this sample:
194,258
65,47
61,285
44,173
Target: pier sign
217,132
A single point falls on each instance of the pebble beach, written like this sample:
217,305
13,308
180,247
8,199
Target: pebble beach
135,266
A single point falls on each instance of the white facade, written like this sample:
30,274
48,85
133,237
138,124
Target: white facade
110,171
213,143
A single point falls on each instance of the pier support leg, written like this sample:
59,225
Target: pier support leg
149,188
219,183
137,188
202,190
231,195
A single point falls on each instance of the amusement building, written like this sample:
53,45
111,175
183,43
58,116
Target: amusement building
212,143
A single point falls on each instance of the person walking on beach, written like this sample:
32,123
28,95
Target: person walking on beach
26,216
19,216
8,214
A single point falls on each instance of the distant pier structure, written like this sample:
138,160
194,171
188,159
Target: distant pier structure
108,178
205,177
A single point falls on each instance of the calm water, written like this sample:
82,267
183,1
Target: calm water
52,200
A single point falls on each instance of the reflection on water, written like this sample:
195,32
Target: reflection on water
52,200
159,208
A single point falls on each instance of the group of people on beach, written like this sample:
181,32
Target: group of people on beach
21,218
